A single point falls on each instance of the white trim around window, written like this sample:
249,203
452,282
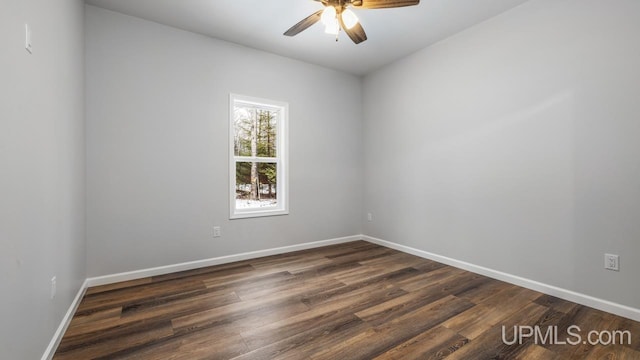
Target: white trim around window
281,160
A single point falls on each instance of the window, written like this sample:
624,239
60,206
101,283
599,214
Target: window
258,151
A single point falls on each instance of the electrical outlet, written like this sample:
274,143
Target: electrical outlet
612,262
217,232
53,287
369,217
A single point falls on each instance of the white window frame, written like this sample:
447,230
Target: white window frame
281,160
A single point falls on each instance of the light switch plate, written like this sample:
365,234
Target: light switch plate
27,38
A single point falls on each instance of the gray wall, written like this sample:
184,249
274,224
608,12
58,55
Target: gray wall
41,171
514,145
157,146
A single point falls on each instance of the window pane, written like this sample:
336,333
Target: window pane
254,131
256,185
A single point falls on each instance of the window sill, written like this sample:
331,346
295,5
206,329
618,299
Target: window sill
257,213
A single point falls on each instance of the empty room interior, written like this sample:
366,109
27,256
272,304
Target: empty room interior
306,179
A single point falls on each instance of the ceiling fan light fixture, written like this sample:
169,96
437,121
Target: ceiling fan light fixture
332,27
336,17
328,16
349,18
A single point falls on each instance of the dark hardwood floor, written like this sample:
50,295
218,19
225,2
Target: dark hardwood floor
348,301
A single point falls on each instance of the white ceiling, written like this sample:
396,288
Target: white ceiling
392,33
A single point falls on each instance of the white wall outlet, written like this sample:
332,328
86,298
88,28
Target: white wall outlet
369,217
27,38
217,232
612,262
53,287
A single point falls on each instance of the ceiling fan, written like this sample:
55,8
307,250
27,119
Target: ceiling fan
336,15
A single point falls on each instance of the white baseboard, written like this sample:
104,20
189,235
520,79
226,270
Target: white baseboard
600,304
161,270
64,324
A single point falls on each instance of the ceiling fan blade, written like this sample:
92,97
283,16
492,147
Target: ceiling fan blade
383,4
356,33
304,24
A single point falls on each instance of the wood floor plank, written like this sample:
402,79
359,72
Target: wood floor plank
587,319
310,347
346,301
100,348
255,281
245,279
479,294
305,342
490,344
555,303
120,285
632,328
393,259
359,254
160,313
384,337
294,265
429,265
436,343
385,280
260,336
359,274
79,320
261,312
425,279
217,271
612,352
296,286
477,320
330,269
402,305
200,345
435,278
299,293
536,352
92,303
